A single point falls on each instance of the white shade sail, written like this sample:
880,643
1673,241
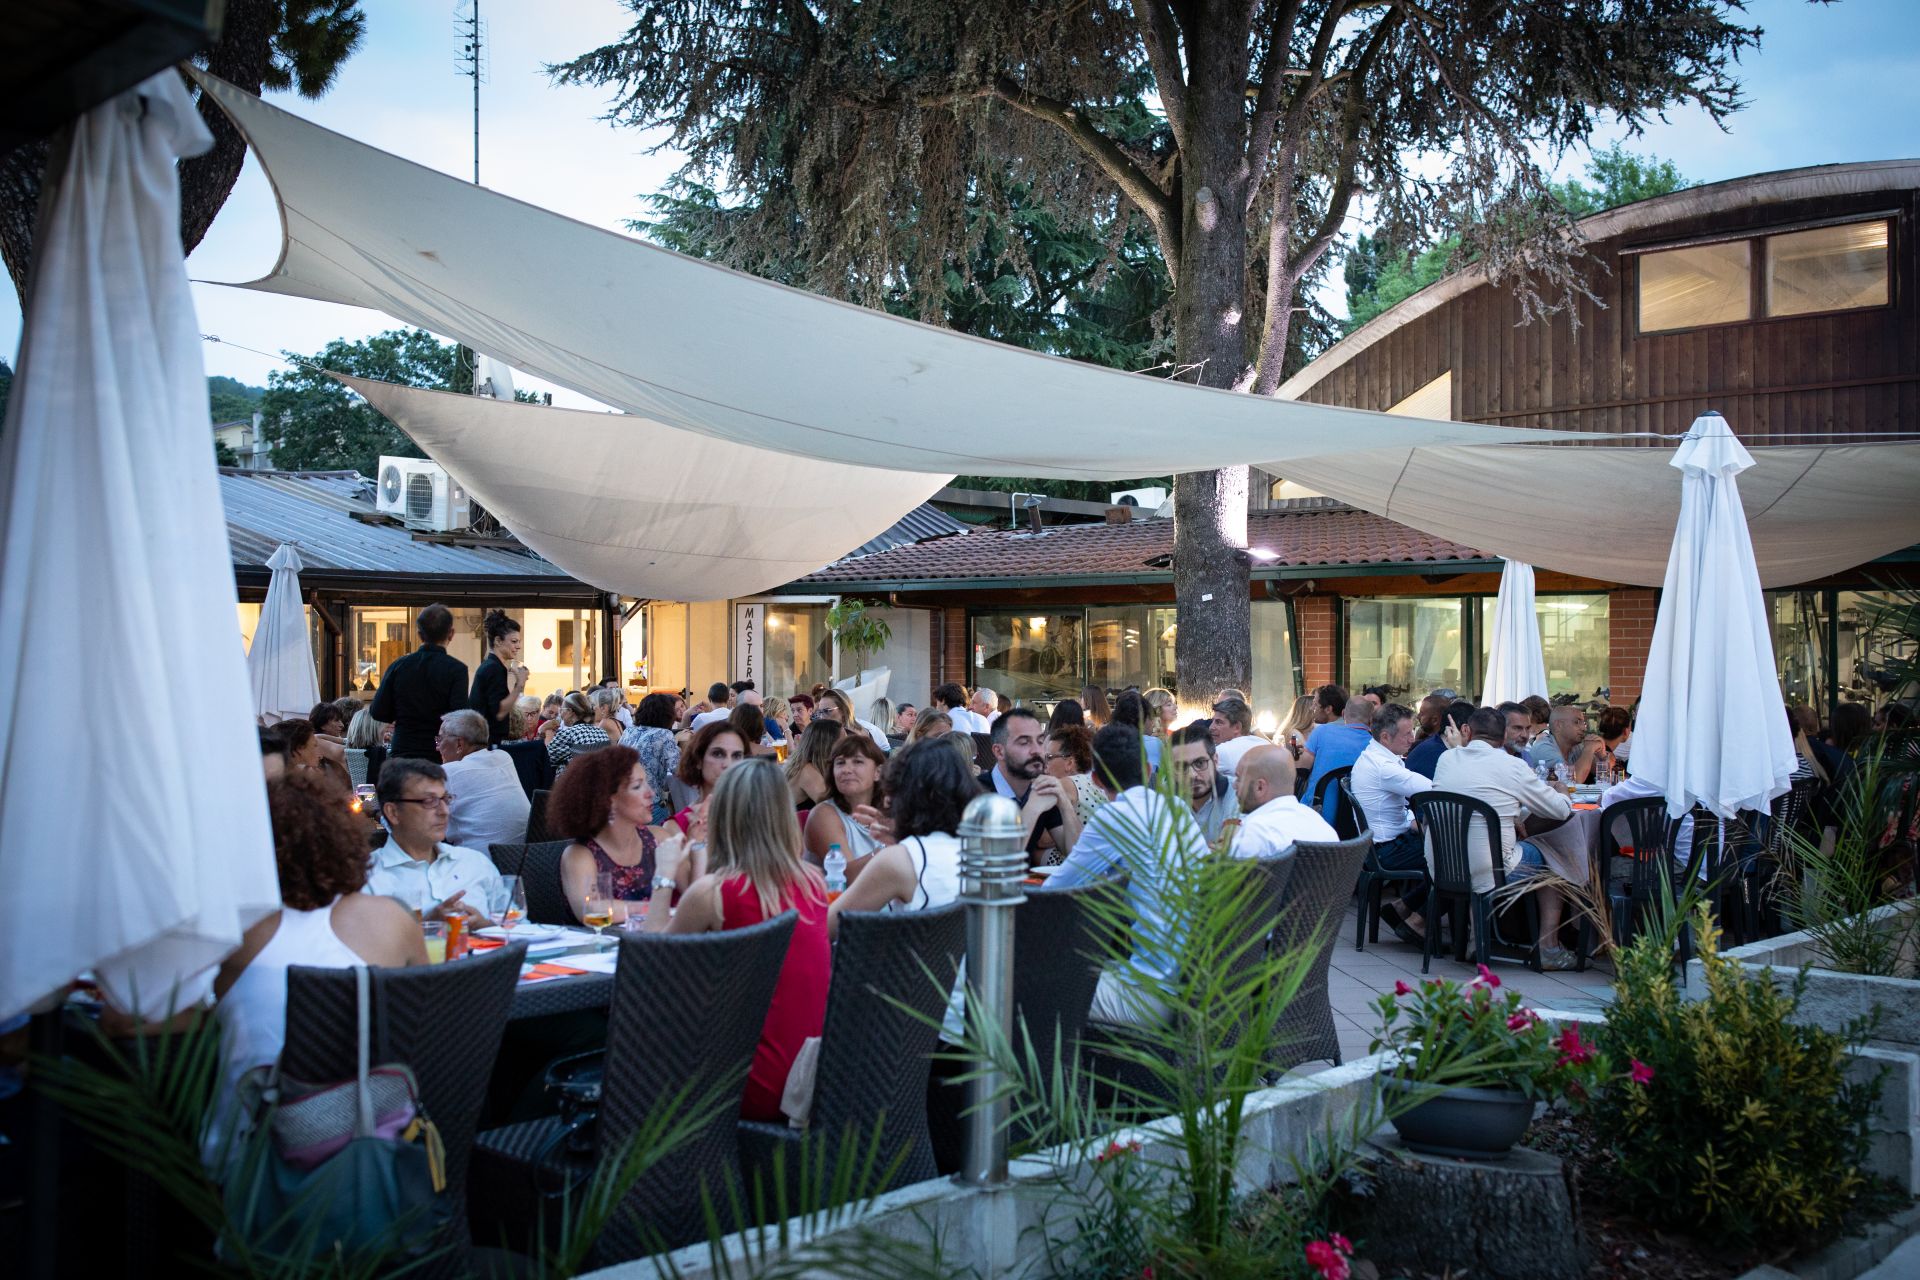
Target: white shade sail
144,862
1516,667
696,346
1607,511
1712,728
280,663
633,506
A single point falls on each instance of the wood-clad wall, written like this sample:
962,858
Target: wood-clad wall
1817,378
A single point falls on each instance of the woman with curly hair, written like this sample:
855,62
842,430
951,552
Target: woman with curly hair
811,761
604,802
757,873
327,920
853,785
713,749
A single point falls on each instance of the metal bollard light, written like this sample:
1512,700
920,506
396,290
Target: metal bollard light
993,868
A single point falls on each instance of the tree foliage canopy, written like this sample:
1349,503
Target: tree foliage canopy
316,424
229,399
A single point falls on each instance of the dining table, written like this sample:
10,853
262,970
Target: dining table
566,969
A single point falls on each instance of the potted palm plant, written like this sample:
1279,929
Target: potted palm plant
1471,1065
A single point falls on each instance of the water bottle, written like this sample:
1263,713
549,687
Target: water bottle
835,867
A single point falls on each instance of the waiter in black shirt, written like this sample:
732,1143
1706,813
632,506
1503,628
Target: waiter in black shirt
421,687
499,681
1019,773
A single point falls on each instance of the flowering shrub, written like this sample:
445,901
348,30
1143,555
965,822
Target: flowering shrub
1331,1258
1754,1132
1452,1037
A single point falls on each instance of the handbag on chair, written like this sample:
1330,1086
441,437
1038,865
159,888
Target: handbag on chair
353,1164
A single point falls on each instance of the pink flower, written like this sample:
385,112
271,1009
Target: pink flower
1402,989
1572,1050
1488,976
1328,1261
1115,1150
1341,1243
1642,1073
1522,1020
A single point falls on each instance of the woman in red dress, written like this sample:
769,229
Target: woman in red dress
757,872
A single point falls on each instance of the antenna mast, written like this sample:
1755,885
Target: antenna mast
472,63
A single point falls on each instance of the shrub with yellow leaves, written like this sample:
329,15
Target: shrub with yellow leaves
1738,1122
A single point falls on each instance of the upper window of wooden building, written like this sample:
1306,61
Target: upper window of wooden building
1838,267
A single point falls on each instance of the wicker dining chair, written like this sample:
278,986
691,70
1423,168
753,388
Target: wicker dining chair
540,877
704,1037
537,830
1310,914
892,973
444,1021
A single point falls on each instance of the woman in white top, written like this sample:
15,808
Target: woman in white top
928,788
326,921
853,784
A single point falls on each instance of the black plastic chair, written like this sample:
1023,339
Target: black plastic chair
1323,875
1651,871
531,762
537,831
540,877
870,1087
1128,1083
1374,878
1787,818
704,1039
444,1021
1448,817
1333,778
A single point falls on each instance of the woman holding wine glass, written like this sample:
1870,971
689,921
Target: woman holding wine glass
605,803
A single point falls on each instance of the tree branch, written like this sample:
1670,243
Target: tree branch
1127,173
1266,106
1162,38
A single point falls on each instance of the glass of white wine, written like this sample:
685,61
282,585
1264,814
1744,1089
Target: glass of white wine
600,904
510,904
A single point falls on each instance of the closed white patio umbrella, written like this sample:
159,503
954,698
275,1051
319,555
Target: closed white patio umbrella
141,857
1516,667
280,663
1712,728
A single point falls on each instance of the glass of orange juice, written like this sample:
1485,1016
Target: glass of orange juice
434,934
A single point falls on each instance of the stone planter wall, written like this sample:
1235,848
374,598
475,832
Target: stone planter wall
1833,999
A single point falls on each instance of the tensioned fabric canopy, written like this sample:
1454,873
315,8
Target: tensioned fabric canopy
635,506
1609,512
714,351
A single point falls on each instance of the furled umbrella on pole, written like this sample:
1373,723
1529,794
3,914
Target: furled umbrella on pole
280,663
144,865
1516,667
1712,728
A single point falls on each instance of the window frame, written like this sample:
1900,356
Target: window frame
1757,260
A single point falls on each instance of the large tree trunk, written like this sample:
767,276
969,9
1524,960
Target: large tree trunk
242,56
1210,579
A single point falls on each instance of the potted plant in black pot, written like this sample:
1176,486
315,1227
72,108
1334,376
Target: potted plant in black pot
1472,1064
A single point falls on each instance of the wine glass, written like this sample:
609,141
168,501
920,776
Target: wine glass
510,904
600,904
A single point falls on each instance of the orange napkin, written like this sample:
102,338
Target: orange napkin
541,972
485,944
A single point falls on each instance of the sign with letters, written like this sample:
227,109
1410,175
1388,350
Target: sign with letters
749,645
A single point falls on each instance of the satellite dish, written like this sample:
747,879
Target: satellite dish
390,485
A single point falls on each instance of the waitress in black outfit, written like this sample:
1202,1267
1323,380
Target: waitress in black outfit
498,683
421,687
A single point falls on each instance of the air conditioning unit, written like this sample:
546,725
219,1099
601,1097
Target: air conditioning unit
420,492
1148,498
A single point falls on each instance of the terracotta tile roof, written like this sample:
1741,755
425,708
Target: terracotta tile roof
1313,533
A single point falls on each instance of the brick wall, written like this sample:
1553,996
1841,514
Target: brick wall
1316,616
1630,635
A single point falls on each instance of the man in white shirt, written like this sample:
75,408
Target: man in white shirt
1272,817
1233,734
415,866
1136,836
984,708
1382,784
952,699
719,703
1209,792
1483,769
489,805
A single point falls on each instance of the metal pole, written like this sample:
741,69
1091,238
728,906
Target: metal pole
993,866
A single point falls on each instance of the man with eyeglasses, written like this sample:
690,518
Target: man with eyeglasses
1208,791
416,866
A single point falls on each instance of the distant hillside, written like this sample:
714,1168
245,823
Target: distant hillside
229,399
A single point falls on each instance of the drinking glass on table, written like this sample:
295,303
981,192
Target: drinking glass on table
600,904
434,934
510,904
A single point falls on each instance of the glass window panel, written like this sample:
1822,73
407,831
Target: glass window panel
1799,646
799,648
1704,284
1827,269
1876,646
1030,657
1130,645
1411,646
1575,635
1275,680
377,639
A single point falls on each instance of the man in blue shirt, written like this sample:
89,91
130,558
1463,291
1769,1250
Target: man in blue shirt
1337,746
1426,753
1137,836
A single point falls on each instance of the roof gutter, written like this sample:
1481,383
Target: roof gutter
1156,578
